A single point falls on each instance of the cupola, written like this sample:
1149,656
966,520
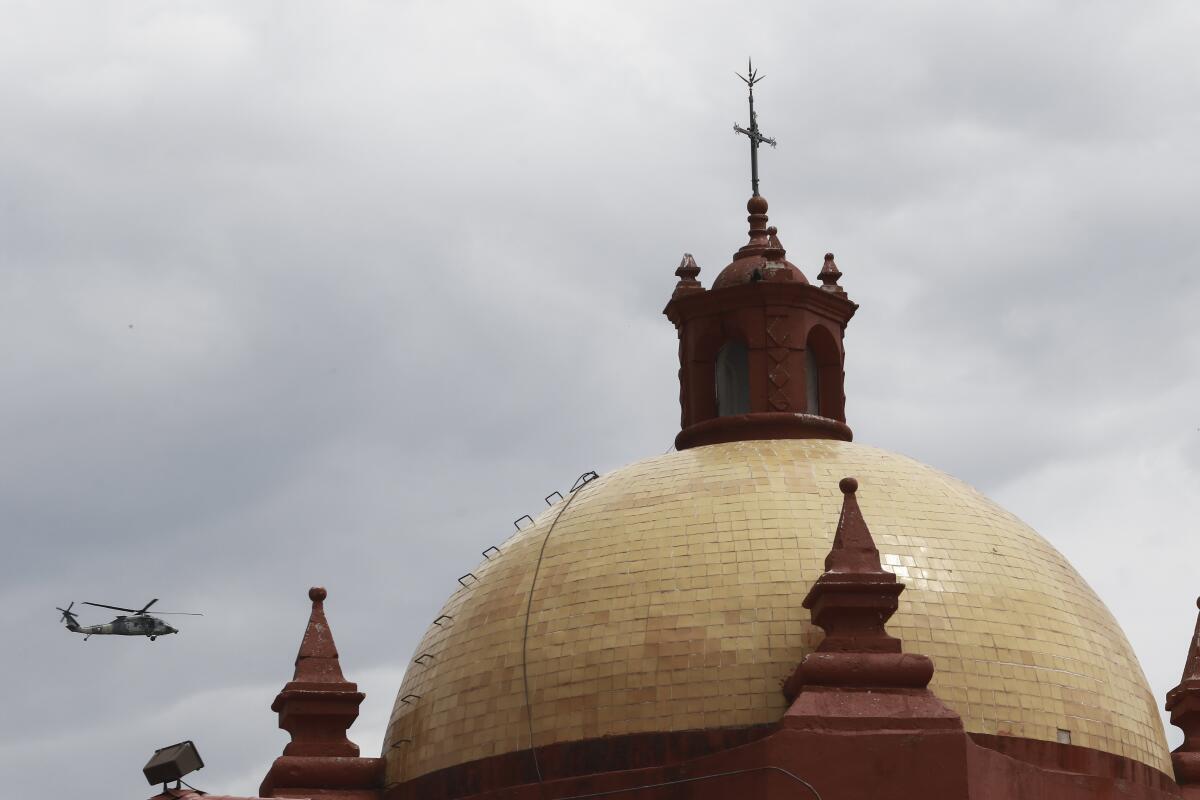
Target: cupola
760,354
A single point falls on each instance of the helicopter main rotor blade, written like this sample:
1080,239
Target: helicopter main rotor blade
185,613
114,608
143,611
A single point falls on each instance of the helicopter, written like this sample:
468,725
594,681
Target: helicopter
137,623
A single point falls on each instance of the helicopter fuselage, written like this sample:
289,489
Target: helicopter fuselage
128,626
136,622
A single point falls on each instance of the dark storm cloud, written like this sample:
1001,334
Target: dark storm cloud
305,295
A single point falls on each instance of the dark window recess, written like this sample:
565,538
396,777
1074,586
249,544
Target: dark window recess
733,379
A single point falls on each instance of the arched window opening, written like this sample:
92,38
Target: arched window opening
733,379
812,376
823,374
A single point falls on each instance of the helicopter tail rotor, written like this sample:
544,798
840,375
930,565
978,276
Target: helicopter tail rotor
68,617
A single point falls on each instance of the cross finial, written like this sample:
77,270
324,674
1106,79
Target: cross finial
752,133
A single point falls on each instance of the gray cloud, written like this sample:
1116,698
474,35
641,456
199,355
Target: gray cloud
299,295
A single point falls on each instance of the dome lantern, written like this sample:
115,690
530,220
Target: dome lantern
760,353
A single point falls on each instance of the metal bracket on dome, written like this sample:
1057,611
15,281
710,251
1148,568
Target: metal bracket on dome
397,744
517,522
471,575
490,549
410,694
560,497
418,660
438,621
584,480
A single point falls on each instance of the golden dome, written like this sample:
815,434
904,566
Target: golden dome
667,597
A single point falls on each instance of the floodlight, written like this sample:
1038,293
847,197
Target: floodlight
172,763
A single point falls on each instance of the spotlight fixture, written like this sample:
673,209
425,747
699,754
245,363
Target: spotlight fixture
172,763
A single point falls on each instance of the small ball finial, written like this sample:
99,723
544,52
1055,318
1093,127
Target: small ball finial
772,231
830,274
317,594
757,204
848,485
1198,602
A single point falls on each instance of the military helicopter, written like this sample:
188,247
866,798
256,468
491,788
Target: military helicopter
137,623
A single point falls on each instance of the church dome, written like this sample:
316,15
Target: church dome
666,596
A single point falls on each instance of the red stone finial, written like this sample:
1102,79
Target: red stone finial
1184,704
317,707
317,660
774,254
859,671
318,704
829,275
854,550
687,271
855,596
757,207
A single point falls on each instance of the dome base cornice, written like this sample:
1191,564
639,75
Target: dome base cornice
765,425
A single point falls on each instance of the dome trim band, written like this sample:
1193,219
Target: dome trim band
528,610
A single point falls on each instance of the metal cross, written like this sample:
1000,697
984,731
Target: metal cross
752,133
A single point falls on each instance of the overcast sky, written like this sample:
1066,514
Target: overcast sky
297,294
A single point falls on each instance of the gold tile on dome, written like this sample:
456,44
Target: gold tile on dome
668,598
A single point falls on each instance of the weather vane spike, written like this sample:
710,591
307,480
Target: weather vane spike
752,133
